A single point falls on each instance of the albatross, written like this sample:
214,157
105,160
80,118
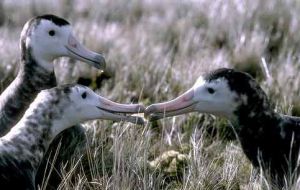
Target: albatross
269,139
43,39
54,110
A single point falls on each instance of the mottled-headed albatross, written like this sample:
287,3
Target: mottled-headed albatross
269,139
43,39
53,110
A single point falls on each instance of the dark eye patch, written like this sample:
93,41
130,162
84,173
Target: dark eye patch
210,90
51,33
83,95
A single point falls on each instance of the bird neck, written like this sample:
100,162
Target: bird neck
31,79
254,113
33,134
255,121
256,129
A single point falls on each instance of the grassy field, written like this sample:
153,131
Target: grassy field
155,50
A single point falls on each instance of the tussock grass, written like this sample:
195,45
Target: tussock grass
155,50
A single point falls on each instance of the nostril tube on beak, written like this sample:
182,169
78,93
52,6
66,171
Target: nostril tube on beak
72,41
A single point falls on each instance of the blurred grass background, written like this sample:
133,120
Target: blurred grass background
155,50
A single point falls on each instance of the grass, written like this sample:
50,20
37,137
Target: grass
155,50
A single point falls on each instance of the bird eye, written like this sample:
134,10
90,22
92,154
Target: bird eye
210,90
83,95
51,33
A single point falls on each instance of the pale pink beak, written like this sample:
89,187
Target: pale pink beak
117,112
78,51
180,105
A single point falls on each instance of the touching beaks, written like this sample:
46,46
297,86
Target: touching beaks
117,112
78,51
180,105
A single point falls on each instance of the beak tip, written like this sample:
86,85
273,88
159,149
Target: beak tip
101,63
141,108
153,117
150,109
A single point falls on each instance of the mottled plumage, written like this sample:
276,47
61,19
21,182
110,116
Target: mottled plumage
269,139
24,147
43,39
30,80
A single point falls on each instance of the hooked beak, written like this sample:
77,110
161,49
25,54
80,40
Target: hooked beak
117,112
180,105
79,52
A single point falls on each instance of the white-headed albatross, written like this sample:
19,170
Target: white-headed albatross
43,39
53,110
269,139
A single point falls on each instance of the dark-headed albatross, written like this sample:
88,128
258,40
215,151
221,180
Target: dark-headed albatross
53,110
269,139
43,39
